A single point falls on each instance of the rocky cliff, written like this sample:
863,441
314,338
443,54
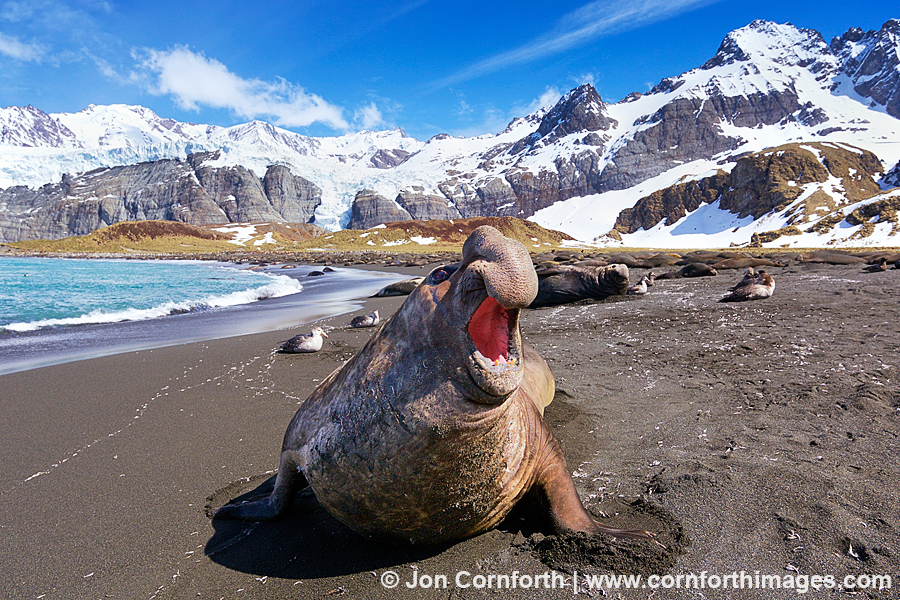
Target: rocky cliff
806,183
427,207
175,190
872,62
371,209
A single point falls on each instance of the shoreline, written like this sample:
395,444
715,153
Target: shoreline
751,436
322,297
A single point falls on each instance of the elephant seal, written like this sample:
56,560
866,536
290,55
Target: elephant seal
434,430
400,288
831,257
744,262
698,269
694,269
569,283
877,267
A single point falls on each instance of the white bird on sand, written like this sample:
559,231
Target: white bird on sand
639,289
366,320
306,342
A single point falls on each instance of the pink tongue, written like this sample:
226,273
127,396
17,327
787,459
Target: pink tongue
489,329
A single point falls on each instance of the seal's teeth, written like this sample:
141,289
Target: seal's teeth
499,365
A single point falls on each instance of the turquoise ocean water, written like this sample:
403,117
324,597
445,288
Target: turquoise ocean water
41,293
55,310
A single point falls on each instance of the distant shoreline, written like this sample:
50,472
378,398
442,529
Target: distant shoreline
341,294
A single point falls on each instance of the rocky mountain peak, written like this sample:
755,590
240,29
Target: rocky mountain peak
782,44
872,62
580,110
31,127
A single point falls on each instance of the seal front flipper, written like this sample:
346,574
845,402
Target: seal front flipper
289,481
555,490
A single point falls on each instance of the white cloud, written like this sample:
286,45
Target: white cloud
193,80
586,78
13,48
369,117
548,99
593,20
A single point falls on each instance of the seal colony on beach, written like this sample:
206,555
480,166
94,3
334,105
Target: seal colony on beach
434,430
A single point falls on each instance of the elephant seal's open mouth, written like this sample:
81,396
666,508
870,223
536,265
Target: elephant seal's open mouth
495,360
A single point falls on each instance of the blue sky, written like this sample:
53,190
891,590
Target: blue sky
325,67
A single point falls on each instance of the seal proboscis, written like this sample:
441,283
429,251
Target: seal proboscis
434,430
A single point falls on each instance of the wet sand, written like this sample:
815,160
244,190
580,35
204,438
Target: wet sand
759,436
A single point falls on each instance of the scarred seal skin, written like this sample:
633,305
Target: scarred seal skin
435,429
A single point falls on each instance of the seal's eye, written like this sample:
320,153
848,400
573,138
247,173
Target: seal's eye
441,274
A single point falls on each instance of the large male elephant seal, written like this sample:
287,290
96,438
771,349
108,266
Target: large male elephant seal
434,430
569,283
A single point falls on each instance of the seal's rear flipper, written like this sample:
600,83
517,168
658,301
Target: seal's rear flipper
555,490
289,481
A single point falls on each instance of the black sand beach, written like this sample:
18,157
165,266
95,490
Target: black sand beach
759,437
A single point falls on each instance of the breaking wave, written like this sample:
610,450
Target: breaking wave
281,285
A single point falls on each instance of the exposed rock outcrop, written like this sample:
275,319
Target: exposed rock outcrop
370,209
171,190
670,204
427,207
763,183
386,159
293,197
872,62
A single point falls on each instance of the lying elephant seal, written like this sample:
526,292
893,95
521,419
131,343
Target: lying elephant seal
399,288
698,270
569,283
434,429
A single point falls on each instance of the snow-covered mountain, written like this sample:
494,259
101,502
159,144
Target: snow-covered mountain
575,166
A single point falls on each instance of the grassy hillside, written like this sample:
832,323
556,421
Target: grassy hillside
170,237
